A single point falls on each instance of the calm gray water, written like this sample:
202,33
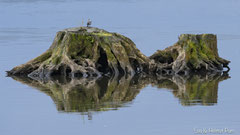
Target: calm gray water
136,106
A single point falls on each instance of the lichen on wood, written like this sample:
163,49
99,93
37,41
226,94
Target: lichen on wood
191,54
93,52
84,52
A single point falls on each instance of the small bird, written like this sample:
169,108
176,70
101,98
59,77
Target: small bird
89,22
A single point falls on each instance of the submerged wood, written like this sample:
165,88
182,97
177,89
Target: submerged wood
93,52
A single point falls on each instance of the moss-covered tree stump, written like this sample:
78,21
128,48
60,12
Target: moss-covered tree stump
85,52
191,54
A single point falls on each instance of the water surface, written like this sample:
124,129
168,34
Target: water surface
141,106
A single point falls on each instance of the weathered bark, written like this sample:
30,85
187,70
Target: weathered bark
192,53
85,52
92,52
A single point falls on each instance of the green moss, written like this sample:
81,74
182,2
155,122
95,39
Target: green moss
56,60
43,57
81,46
197,52
206,52
110,56
192,54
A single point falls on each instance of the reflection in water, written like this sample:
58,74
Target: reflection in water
87,95
193,90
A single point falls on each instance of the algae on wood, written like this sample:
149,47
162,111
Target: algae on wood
191,54
92,52
85,52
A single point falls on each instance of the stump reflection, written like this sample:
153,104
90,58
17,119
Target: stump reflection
86,95
193,90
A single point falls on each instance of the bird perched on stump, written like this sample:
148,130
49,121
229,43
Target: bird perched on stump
89,22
